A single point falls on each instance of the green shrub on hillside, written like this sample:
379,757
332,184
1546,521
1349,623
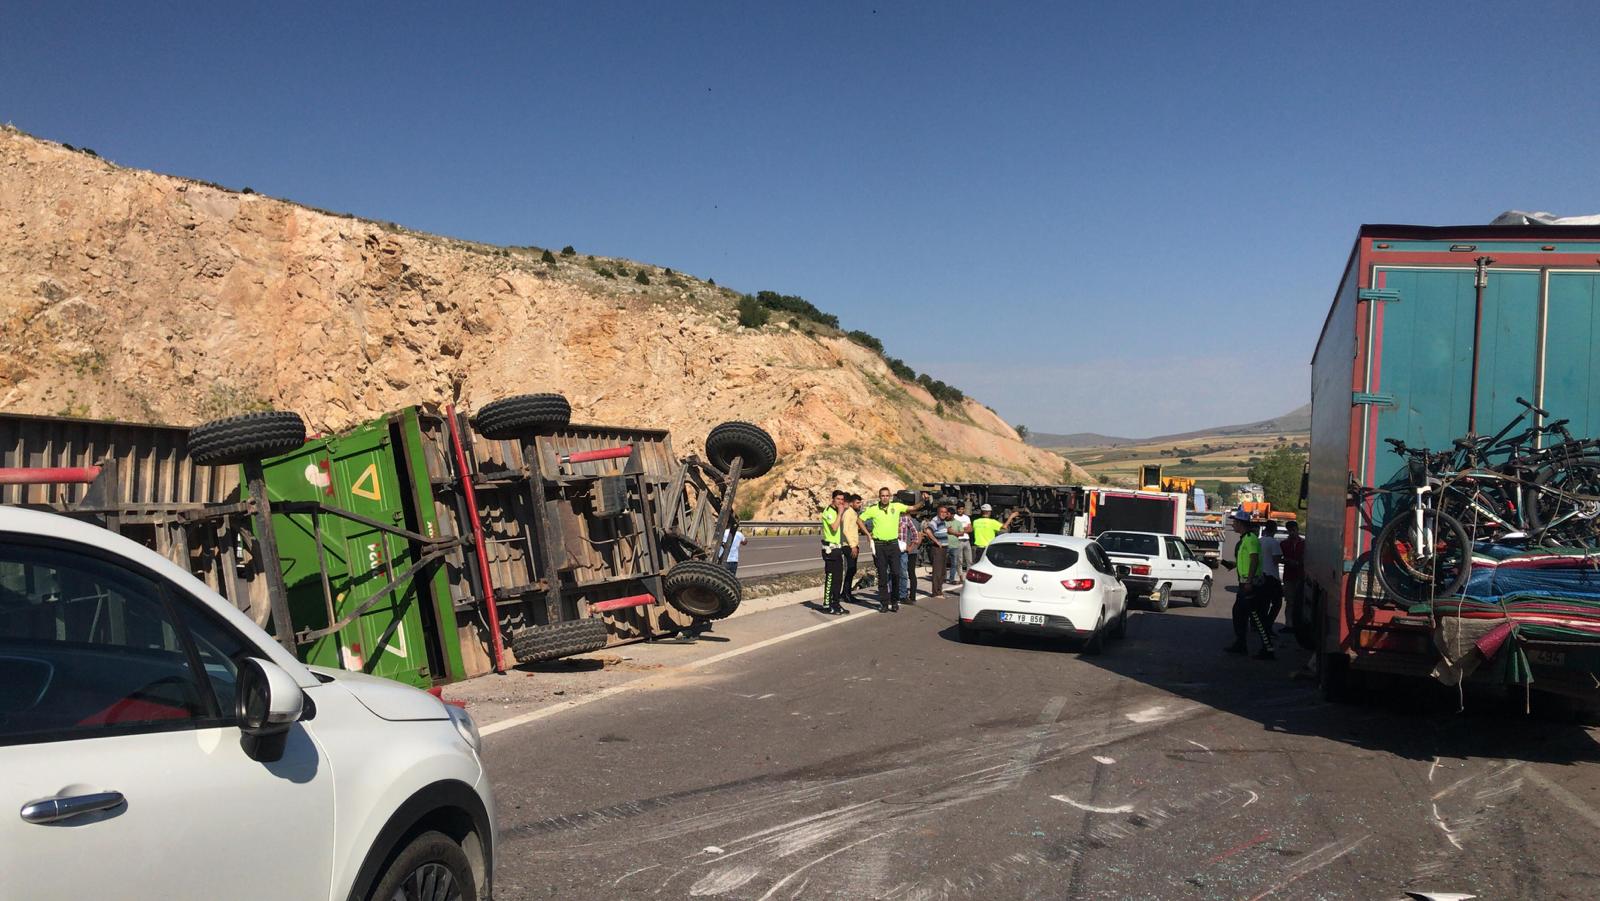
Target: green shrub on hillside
547,258
751,313
641,278
789,303
865,340
899,368
569,252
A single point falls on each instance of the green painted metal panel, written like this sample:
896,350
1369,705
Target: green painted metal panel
1426,357
1572,372
357,472
409,429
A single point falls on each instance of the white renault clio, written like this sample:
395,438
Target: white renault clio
154,743
1048,585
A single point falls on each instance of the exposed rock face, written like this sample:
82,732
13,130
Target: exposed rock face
131,295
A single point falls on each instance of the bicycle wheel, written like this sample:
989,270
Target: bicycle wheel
1413,568
1563,505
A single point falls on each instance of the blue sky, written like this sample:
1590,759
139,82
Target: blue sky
1125,218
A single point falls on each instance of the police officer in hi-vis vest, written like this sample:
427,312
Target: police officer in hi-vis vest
833,554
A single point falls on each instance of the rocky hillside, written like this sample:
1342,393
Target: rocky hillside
130,295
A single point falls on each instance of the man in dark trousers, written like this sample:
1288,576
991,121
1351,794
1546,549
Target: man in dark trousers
1294,570
883,521
834,552
1253,600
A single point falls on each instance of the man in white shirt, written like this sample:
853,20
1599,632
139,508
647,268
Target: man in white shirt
1272,565
961,556
735,538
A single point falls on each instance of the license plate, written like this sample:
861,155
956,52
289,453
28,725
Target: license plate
1026,619
1547,658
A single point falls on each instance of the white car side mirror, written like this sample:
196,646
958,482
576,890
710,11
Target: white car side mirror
268,703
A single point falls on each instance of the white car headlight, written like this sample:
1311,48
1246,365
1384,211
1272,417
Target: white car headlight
464,724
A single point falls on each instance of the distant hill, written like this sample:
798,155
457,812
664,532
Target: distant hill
1295,422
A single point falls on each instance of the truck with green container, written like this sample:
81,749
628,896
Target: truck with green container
1457,369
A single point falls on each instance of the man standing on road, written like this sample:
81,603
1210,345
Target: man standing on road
1271,559
883,519
985,527
855,539
735,539
960,545
1247,604
1294,556
935,535
910,546
833,555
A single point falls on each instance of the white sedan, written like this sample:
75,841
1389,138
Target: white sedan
156,744
1051,585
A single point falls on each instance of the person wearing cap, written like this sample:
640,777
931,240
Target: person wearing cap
1248,606
985,527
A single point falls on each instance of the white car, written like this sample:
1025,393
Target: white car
154,743
1160,566
1051,585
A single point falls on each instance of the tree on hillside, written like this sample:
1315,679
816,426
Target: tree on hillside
1022,431
751,313
1278,474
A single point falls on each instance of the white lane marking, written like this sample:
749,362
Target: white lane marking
1574,803
1199,745
1092,808
712,849
564,706
767,695
1147,715
1106,761
816,559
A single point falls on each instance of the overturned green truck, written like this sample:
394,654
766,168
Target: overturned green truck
423,546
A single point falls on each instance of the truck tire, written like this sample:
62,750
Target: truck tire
557,640
702,589
522,416
1162,599
744,441
242,439
1202,598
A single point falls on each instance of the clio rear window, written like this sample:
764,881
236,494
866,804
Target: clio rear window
1036,557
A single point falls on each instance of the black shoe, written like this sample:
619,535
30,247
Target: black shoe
1265,654
1235,648
883,608
894,608
841,611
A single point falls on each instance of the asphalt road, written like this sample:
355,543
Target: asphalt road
782,554
881,758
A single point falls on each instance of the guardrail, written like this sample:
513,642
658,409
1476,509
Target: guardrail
774,528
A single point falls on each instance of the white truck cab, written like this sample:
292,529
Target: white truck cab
157,744
1160,566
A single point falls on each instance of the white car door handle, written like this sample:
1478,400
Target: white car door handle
54,810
